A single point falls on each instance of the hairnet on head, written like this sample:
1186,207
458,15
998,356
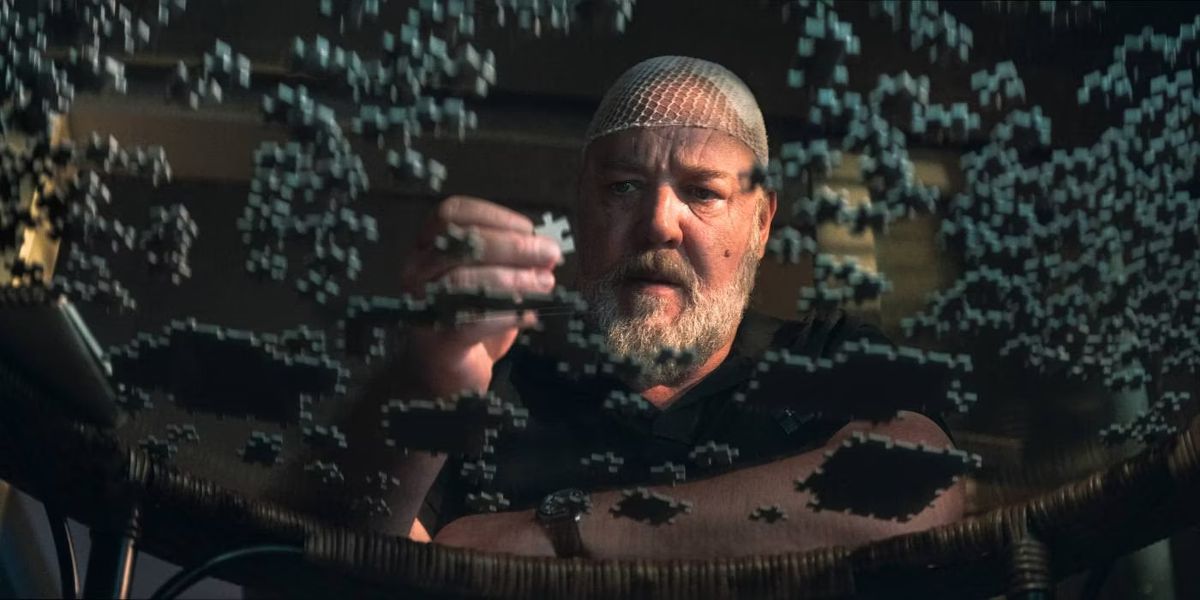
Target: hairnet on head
682,91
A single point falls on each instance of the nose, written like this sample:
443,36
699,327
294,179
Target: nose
661,219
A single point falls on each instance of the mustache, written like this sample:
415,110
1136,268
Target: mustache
662,265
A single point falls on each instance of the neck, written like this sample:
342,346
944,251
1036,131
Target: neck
662,396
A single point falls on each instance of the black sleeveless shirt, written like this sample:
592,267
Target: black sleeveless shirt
572,440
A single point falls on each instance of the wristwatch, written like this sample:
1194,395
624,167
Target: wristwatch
560,513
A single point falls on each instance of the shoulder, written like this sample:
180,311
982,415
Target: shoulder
820,334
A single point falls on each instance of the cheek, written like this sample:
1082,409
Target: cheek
715,256
599,239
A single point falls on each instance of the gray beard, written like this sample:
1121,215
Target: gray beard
707,321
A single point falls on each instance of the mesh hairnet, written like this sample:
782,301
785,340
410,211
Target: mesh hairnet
682,91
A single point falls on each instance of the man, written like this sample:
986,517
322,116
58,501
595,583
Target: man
670,231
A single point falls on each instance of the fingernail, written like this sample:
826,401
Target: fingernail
551,251
545,279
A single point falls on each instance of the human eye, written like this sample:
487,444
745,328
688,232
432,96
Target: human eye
623,188
703,194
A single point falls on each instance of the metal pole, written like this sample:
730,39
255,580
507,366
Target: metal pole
1151,572
113,556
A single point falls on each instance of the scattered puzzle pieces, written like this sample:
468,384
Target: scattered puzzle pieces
839,282
770,514
167,242
328,473
133,399
461,243
302,196
220,69
263,449
227,371
629,404
449,306
669,472
652,508
606,464
874,476
928,27
477,473
158,449
373,506
381,482
185,432
485,502
467,424
325,437
831,389
711,454
1081,260
789,245
1150,425
997,87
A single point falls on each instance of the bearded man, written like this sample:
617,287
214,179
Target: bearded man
670,230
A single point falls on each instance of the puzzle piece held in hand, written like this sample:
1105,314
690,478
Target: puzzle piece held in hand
559,229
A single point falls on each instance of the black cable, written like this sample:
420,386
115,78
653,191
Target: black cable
189,577
64,549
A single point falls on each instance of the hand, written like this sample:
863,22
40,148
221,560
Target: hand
509,532
510,258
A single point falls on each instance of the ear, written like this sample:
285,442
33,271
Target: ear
766,217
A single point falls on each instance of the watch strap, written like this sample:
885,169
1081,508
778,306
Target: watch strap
565,536
559,514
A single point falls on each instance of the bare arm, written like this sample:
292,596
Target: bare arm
719,523
414,472
440,362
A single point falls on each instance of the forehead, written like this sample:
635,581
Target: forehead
670,148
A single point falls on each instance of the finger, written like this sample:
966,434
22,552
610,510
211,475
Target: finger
490,320
494,249
467,211
500,247
518,250
500,279
471,328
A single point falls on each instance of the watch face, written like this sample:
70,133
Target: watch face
553,506
564,503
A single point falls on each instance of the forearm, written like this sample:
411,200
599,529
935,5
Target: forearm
359,417
719,522
413,471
